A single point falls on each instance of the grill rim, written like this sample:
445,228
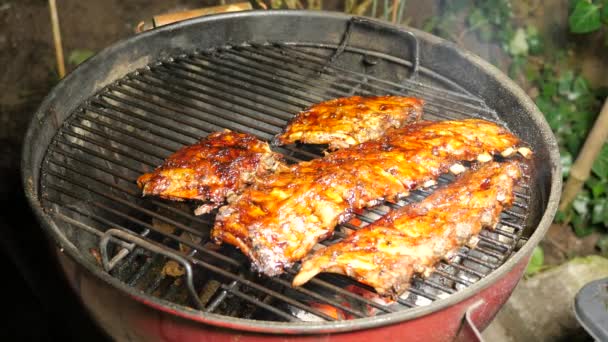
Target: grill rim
43,115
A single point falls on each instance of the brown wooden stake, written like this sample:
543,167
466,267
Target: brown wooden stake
57,39
581,169
395,6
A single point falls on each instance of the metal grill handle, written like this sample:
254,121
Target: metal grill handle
103,247
365,22
469,332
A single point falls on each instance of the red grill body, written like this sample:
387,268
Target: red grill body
131,318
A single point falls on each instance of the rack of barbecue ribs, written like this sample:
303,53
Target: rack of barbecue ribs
224,163
412,239
277,220
349,121
220,165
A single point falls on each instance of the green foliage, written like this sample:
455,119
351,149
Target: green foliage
534,40
600,167
447,24
585,18
537,261
491,19
518,45
603,245
570,106
77,56
598,185
588,15
604,12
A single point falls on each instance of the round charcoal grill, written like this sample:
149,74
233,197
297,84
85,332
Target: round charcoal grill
125,110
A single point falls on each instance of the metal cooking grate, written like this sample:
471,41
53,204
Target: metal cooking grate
160,248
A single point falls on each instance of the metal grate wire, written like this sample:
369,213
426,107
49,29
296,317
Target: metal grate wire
130,126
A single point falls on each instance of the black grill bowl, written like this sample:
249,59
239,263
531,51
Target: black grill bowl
124,110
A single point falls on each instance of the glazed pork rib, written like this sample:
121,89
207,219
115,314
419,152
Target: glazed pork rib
350,121
278,220
220,165
412,239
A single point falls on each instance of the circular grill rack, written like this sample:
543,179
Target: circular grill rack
134,124
147,107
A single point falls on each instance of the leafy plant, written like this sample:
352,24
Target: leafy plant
77,56
603,245
537,261
571,118
570,106
491,20
588,16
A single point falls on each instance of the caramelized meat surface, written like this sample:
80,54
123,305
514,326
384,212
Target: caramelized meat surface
412,239
220,165
350,121
278,220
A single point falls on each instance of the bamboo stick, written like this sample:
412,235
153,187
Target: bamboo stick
386,9
170,18
362,7
57,39
401,10
581,169
349,5
394,14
